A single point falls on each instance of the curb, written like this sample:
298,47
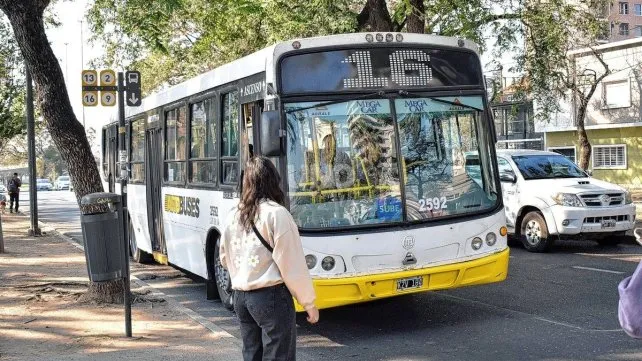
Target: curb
217,331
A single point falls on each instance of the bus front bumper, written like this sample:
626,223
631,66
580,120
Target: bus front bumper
344,291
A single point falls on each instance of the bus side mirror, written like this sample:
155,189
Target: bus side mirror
507,177
270,134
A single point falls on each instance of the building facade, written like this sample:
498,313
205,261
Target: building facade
613,119
513,114
625,19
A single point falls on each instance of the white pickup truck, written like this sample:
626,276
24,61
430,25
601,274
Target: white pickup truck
548,197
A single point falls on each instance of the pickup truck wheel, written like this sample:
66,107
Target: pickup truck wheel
534,233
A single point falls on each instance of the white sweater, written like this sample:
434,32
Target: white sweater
250,263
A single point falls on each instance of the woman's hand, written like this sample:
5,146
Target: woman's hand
313,315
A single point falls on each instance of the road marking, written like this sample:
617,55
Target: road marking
531,315
598,270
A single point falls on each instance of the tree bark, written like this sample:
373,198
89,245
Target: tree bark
417,18
26,18
375,17
585,145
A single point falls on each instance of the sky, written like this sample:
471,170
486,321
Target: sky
74,54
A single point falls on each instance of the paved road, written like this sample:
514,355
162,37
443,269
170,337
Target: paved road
556,306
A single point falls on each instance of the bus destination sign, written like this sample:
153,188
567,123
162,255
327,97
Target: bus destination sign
379,68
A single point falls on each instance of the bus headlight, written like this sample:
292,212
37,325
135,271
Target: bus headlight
476,243
491,238
327,263
311,261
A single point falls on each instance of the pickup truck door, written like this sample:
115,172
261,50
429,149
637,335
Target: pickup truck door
510,193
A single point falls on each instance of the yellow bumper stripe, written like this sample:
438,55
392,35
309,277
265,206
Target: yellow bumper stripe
335,292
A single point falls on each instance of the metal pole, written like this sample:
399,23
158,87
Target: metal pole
82,65
31,141
123,191
66,63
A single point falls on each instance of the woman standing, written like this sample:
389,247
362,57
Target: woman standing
262,251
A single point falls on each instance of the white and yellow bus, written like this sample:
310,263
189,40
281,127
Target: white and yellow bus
370,133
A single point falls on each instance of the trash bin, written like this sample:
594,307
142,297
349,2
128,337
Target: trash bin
102,233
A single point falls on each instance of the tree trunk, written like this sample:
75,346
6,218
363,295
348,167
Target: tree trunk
585,145
375,17
26,17
416,19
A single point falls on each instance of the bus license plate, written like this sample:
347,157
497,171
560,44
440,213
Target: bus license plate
409,283
608,223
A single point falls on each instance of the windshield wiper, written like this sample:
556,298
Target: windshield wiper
380,93
404,94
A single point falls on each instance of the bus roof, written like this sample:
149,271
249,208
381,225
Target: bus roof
263,60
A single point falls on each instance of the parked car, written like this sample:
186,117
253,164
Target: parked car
3,189
62,182
548,197
43,185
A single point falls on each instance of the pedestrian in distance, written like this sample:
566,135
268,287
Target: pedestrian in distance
13,188
262,251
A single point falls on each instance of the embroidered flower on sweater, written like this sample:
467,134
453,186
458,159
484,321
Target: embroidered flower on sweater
236,243
253,260
251,241
237,261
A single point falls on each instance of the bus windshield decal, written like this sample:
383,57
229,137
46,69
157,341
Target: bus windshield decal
378,68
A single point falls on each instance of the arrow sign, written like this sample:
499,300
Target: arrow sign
132,88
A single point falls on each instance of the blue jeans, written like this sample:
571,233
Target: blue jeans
268,323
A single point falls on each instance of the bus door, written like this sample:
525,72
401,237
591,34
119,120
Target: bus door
154,175
251,118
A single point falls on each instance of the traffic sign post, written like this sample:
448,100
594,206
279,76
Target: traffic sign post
121,88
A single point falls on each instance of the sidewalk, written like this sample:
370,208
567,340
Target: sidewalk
40,281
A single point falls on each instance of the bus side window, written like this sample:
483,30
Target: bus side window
230,138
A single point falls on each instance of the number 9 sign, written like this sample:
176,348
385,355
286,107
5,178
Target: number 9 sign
107,98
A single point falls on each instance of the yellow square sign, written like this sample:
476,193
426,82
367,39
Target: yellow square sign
107,78
107,98
89,78
89,98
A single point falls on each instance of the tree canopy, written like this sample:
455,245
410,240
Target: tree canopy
12,110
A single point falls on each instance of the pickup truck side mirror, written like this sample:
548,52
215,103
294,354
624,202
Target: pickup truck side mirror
507,177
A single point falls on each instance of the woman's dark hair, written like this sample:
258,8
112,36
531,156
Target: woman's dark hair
261,181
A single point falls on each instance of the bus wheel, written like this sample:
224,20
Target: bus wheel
223,281
534,233
136,254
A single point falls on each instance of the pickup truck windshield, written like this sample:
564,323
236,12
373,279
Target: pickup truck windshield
547,167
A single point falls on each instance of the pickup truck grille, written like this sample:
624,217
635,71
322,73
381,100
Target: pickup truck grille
603,200
598,220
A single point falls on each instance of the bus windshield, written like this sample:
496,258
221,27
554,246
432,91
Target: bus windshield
345,169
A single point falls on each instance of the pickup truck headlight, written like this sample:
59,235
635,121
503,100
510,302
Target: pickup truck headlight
567,199
627,198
